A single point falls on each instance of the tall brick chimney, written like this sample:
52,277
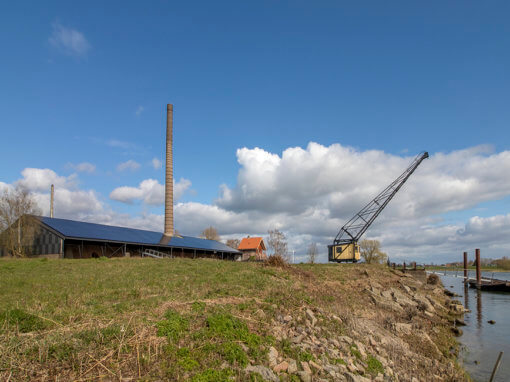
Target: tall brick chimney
169,176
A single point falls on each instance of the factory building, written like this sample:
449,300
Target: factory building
53,237
70,239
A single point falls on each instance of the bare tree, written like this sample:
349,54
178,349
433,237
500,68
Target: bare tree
233,243
371,252
278,243
312,253
210,233
17,227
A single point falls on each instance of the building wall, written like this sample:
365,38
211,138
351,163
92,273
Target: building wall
45,243
258,254
40,242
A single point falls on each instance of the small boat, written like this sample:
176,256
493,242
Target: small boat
490,285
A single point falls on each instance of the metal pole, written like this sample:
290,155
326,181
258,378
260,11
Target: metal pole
496,366
465,267
478,268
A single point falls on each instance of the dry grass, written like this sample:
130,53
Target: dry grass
433,279
178,319
276,261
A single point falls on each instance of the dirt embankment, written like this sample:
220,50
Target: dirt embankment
205,320
394,328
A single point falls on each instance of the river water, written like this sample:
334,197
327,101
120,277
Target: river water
481,341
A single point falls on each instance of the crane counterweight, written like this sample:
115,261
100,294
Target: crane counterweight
345,246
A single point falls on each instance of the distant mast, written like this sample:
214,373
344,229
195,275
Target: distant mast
51,200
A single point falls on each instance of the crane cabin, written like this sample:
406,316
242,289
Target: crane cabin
344,252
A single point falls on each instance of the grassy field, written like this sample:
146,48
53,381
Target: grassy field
149,319
96,318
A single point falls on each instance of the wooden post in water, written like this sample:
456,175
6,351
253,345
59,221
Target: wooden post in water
465,267
496,366
478,268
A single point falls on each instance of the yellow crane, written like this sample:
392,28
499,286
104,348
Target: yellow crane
345,247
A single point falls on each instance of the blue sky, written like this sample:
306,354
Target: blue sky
88,82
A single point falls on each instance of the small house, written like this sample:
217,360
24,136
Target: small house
253,247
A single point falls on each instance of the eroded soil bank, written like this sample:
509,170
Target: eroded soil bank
204,320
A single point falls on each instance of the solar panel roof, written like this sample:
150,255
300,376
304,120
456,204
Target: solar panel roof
92,231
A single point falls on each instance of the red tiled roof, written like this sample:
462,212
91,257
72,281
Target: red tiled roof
251,243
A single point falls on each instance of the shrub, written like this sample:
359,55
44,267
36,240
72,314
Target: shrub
276,261
433,279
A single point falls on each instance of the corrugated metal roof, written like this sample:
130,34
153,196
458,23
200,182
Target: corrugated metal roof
92,231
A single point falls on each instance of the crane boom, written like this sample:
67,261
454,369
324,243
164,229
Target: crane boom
345,246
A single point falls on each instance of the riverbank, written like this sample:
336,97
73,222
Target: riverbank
487,330
470,269
207,320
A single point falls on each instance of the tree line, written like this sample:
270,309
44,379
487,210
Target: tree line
370,250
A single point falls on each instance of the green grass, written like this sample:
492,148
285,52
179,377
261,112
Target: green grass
22,321
149,319
173,326
374,366
137,313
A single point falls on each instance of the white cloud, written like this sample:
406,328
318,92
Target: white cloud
139,110
70,201
5,187
130,165
312,192
41,179
156,163
341,180
309,193
150,191
68,40
82,167
71,204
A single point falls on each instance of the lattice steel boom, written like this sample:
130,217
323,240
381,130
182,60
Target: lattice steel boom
345,245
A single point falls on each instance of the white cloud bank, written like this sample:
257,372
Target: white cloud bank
150,191
309,193
68,40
